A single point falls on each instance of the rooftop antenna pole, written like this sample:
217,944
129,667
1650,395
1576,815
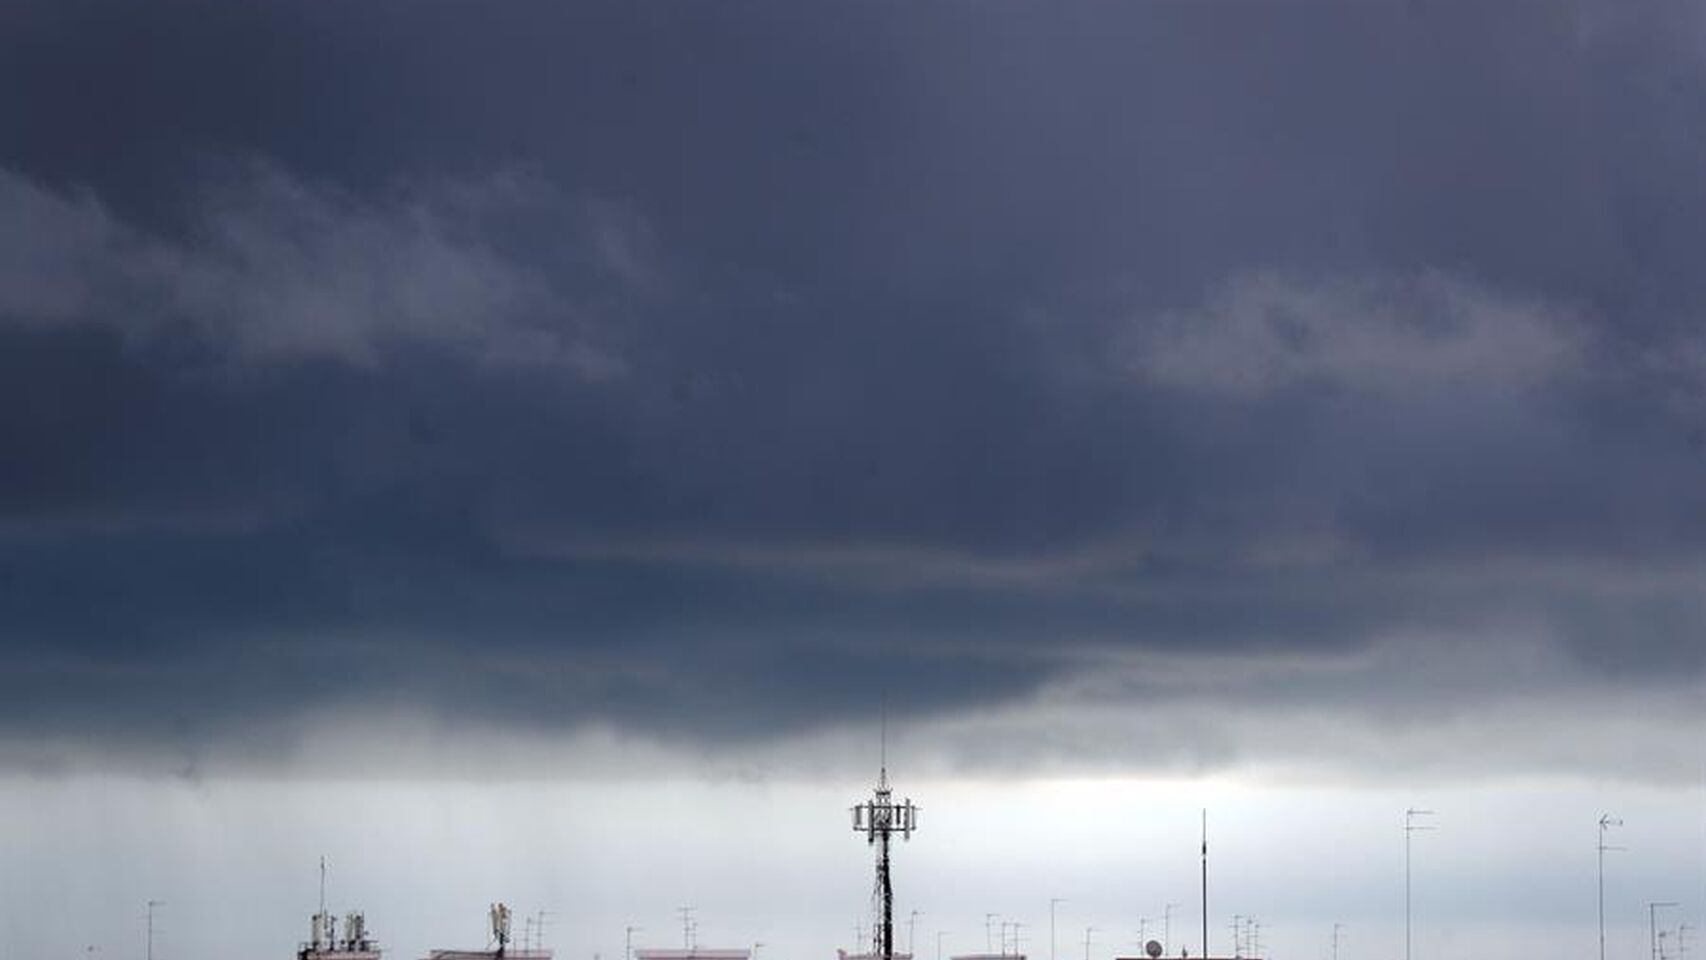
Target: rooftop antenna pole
1652,924
1088,932
151,905
686,926
1410,827
1606,822
628,941
1336,928
1053,902
1205,884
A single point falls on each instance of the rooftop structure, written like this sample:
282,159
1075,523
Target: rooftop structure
324,944
499,915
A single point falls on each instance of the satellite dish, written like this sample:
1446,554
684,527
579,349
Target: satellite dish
1154,949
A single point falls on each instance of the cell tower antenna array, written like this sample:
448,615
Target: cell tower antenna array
879,819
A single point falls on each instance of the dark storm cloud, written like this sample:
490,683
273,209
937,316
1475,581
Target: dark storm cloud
692,369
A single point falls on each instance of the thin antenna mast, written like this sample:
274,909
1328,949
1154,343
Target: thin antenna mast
1409,828
686,926
1205,885
151,905
1606,821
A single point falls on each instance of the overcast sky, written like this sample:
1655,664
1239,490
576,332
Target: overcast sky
520,451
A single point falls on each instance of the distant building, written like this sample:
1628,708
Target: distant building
692,953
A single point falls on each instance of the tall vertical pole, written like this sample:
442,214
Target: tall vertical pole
1606,821
151,905
1336,928
1167,925
1409,828
1088,932
1205,884
628,941
912,934
1053,903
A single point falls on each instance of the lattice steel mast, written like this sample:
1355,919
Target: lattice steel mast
878,819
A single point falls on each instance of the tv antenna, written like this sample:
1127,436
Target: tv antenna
1410,827
151,905
1606,822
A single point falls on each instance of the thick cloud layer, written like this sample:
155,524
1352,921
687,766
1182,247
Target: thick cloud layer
716,375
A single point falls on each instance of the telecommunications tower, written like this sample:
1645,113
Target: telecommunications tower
879,818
